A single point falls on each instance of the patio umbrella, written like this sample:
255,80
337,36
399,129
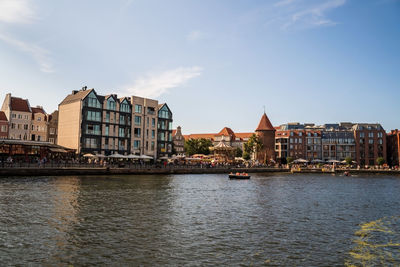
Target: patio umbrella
165,157
317,160
145,157
88,155
131,156
117,156
333,161
99,156
300,161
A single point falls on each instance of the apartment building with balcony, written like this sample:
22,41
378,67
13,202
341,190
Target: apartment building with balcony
19,116
92,123
370,141
164,137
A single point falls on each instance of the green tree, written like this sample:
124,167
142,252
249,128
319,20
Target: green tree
380,161
239,152
349,160
289,160
253,145
246,156
198,146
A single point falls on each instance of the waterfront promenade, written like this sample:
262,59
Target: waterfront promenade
93,169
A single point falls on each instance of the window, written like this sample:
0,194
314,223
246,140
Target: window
370,141
380,141
107,116
153,122
121,132
152,145
52,130
14,116
138,108
51,140
137,132
93,116
19,117
371,135
164,113
380,135
92,101
138,120
4,128
93,129
107,131
39,119
26,127
153,134
136,144
12,125
362,135
300,140
33,127
300,134
26,117
91,143
122,119
111,104
125,107
170,126
291,133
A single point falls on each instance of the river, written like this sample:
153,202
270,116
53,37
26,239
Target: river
193,220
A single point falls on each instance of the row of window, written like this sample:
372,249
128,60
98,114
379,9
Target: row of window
371,135
14,116
136,145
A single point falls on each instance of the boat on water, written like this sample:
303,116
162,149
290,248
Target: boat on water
237,175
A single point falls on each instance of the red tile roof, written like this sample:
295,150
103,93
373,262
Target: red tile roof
226,132
173,132
19,104
243,135
38,110
3,116
198,136
265,124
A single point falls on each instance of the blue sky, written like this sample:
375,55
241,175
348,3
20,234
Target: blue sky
215,62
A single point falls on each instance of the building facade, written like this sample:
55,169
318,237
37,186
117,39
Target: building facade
52,127
178,141
164,127
3,125
19,115
266,133
393,148
91,123
39,126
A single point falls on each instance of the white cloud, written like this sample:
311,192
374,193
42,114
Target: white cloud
195,36
284,2
314,15
156,84
21,12
16,11
40,55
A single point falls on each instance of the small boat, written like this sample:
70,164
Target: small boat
346,174
239,176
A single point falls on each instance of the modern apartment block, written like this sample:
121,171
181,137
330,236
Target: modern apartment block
393,147
52,127
370,143
91,123
3,125
144,126
164,137
19,115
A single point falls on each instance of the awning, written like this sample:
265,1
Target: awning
58,150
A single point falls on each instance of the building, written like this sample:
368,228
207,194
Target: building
91,123
178,141
52,127
144,127
39,124
3,125
393,147
370,143
266,133
19,115
164,127
338,145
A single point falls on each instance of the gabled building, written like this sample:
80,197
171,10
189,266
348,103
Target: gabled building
164,127
53,127
178,141
19,115
39,126
3,125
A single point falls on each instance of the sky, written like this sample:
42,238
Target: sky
216,63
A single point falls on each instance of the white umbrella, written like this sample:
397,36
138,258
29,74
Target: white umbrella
99,156
300,161
117,156
131,156
333,161
145,157
193,159
317,160
88,155
165,157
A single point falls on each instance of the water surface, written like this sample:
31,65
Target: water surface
277,220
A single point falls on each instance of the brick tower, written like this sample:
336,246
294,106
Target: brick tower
266,132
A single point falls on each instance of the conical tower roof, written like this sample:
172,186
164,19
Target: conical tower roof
265,124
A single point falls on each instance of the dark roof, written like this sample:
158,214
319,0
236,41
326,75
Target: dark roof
76,97
3,116
265,124
38,110
19,104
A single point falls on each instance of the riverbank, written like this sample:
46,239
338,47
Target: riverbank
60,171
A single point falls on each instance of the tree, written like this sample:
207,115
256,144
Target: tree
380,161
289,160
239,152
253,145
246,156
198,146
349,160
